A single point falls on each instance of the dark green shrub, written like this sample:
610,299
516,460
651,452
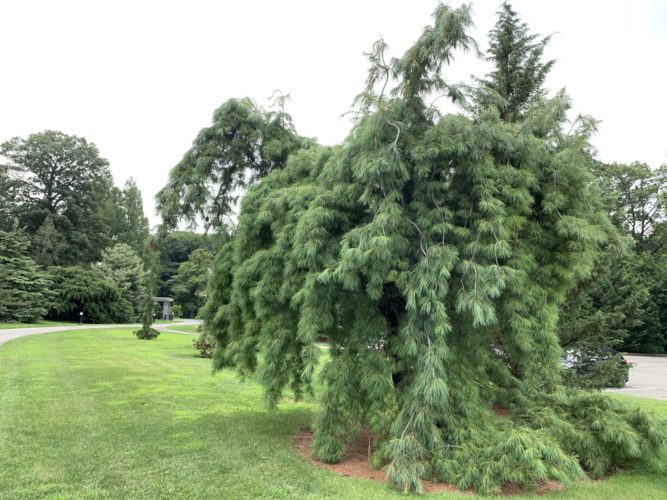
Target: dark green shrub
147,333
83,290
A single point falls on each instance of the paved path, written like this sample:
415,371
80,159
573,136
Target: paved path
648,377
6,335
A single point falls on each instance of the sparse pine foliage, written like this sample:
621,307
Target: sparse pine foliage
434,254
147,332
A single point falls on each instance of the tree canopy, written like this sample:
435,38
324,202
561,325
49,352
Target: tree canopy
79,290
51,174
243,144
433,252
189,282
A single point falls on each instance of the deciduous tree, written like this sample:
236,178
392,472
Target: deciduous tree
64,177
189,282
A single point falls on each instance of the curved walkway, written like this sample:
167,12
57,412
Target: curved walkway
13,333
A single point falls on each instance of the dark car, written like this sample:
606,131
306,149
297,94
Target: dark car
595,368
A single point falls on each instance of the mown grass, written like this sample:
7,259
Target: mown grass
100,414
7,326
184,328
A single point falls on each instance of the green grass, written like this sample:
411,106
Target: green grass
184,328
7,326
100,414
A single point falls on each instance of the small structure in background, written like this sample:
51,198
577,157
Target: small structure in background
165,302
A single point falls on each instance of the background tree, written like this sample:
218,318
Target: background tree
434,253
173,249
189,282
623,304
122,266
243,144
7,209
634,197
64,177
128,223
47,244
24,288
83,290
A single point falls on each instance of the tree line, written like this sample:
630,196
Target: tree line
72,243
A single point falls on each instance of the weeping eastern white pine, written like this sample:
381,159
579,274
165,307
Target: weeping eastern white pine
433,252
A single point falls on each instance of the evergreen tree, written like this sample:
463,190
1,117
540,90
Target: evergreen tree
189,282
519,71
122,266
79,290
434,253
147,332
24,289
610,303
7,206
243,144
47,244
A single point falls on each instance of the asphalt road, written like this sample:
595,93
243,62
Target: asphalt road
6,335
648,377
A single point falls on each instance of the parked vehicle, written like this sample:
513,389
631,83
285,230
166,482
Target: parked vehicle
595,368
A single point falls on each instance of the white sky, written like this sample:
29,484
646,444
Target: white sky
140,79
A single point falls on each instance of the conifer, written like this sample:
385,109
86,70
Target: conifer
24,288
433,252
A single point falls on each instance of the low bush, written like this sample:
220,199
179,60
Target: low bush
204,343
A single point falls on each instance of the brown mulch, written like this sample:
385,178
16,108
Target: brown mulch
356,464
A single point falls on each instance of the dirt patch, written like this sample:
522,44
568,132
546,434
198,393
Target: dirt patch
356,464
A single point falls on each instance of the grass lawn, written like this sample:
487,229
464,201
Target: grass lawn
184,328
7,326
100,414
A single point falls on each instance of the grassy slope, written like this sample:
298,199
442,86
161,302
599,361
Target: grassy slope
7,326
100,414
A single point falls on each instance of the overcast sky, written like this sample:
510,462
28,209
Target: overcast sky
140,79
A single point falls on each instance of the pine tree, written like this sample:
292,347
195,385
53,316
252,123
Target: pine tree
147,332
47,244
517,56
122,266
243,144
434,253
24,288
